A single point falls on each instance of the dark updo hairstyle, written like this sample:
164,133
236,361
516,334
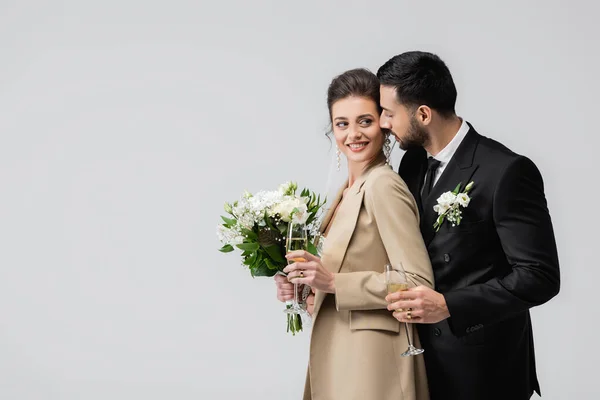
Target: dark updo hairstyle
359,82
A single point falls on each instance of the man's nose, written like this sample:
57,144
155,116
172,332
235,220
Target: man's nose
384,123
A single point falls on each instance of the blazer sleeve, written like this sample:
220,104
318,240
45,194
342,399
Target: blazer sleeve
397,219
525,230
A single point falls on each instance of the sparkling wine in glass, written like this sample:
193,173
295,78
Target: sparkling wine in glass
395,279
297,239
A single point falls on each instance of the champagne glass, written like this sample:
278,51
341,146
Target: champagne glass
395,279
297,239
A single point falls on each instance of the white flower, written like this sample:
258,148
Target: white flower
288,188
454,216
285,208
448,206
440,209
447,199
300,215
251,209
463,199
229,235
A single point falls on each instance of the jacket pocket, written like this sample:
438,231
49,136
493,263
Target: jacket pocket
374,320
475,338
467,226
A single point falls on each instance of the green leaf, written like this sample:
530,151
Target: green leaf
261,269
230,222
283,228
252,259
226,249
312,249
297,323
457,188
249,234
269,222
248,246
272,266
439,222
274,251
294,323
257,259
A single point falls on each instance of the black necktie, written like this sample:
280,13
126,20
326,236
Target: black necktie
432,166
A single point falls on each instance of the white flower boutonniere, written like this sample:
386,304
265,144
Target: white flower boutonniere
449,204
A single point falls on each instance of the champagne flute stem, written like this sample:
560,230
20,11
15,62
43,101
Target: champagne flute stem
408,334
295,295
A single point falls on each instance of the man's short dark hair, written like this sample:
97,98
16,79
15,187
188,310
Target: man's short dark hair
420,78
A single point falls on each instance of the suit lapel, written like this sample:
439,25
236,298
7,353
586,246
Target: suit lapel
412,170
460,169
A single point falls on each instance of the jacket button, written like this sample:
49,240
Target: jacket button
447,257
437,332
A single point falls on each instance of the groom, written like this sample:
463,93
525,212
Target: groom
493,266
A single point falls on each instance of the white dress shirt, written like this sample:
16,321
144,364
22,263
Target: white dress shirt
447,152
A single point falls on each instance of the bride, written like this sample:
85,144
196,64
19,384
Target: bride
356,342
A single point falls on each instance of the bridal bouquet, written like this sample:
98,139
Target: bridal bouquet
257,226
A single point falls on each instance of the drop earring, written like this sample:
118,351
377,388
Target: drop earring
387,150
337,156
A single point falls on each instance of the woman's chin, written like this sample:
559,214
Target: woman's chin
360,159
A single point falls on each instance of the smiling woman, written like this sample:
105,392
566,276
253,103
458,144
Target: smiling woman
357,132
356,344
353,101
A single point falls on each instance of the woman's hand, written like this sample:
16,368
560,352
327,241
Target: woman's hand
308,270
285,289
310,302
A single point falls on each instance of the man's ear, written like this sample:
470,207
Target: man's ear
423,114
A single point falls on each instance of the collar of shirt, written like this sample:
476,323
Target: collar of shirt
447,152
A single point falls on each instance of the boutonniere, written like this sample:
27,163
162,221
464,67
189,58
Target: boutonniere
449,206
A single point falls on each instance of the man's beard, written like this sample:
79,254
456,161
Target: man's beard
416,136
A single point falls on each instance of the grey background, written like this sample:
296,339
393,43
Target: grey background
125,125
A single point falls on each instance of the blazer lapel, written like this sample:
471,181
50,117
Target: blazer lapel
339,235
460,169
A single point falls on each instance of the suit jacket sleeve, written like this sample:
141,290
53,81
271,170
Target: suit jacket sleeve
525,230
396,215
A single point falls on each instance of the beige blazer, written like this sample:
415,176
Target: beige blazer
356,342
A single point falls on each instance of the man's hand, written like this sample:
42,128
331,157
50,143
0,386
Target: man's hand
420,305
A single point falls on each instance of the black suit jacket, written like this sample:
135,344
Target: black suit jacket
500,261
